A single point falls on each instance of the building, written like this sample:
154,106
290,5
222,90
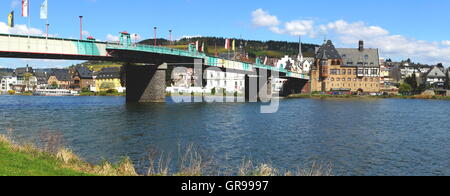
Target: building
82,78
231,82
26,81
435,77
346,70
59,78
42,79
7,83
108,79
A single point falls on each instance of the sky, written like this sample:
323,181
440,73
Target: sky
400,29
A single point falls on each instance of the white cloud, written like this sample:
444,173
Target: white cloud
189,36
300,27
262,18
446,43
20,29
112,38
347,34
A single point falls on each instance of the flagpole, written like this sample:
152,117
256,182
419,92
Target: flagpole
29,23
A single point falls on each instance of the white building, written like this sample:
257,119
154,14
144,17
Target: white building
231,82
7,82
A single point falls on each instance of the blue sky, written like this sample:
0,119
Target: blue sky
418,29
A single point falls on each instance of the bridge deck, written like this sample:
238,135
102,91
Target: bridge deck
22,46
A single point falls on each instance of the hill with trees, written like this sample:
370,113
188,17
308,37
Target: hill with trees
275,49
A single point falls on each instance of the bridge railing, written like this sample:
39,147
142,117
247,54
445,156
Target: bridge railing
156,49
50,45
211,61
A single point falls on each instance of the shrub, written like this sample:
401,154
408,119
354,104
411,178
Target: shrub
11,92
112,91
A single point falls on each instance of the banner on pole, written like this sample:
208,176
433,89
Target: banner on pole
44,10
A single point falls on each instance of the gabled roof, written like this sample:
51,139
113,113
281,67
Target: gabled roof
61,74
108,73
327,51
355,57
84,73
22,70
436,72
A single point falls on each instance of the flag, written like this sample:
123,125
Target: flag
44,10
25,8
11,19
203,47
227,44
234,45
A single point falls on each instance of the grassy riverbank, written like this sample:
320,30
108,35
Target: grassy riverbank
114,94
373,97
29,160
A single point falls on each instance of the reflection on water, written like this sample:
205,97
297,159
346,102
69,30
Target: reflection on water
358,136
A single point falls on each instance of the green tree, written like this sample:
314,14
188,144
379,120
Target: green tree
447,79
405,89
107,85
412,81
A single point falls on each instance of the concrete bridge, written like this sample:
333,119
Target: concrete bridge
146,82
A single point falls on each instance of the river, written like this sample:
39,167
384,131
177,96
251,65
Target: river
355,136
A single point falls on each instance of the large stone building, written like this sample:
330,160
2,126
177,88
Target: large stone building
346,70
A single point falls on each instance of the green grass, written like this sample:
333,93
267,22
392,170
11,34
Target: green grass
28,160
17,163
101,94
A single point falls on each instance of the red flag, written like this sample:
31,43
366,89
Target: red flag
227,44
25,8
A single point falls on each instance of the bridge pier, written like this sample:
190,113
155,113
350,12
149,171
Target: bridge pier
257,88
294,86
146,83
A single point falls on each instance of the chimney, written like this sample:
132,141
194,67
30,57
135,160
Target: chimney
361,45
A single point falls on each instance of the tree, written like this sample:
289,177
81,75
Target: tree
412,81
447,79
107,85
405,89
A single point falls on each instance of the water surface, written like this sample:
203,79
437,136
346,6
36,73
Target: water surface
358,136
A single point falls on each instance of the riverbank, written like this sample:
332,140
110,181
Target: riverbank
305,96
103,94
29,160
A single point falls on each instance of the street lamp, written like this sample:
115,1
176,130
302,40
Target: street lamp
81,27
155,28
170,37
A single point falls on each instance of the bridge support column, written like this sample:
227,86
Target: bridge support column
146,83
293,86
257,88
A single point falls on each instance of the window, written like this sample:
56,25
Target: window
366,71
344,72
332,79
338,79
349,72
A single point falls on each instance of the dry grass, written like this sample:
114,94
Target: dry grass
248,168
191,163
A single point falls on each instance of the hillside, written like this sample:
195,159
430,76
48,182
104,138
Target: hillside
254,48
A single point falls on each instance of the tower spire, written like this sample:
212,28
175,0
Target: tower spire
300,52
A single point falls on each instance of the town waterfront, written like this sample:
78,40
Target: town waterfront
356,136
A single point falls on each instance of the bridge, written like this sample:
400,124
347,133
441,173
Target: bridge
146,82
